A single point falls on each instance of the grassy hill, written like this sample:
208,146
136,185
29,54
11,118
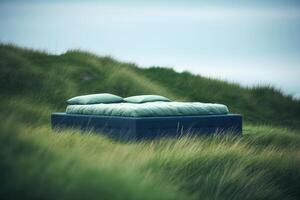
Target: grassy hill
37,164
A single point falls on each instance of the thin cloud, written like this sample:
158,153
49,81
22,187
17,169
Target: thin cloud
105,12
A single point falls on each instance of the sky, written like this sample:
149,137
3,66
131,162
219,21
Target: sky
247,42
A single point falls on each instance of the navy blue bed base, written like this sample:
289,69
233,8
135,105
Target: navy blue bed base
135,128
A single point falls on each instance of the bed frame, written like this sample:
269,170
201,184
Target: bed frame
136,128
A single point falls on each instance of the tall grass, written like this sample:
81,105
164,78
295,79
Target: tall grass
38,163
53,79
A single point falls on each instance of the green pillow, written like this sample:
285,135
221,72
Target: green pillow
145,98
95,98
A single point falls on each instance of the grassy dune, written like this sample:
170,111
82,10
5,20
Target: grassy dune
38,164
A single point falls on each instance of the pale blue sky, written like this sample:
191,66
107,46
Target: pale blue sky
250,42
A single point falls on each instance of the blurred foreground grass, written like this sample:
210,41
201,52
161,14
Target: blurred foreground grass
39,164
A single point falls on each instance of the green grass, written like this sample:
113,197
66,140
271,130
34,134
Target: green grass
37,163
49,80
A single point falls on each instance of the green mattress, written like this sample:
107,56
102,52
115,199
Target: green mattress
149,109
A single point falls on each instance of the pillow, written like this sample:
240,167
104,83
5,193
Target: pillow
145,98
95,98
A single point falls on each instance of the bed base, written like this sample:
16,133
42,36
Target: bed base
136,128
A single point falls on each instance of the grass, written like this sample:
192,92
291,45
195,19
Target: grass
51,79
37,163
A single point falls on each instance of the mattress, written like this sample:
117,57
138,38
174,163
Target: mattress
149,109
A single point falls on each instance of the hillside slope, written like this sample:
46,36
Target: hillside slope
38,163
50,80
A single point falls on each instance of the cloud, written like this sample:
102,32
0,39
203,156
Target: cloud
105,12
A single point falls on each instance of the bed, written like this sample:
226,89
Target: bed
132,121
